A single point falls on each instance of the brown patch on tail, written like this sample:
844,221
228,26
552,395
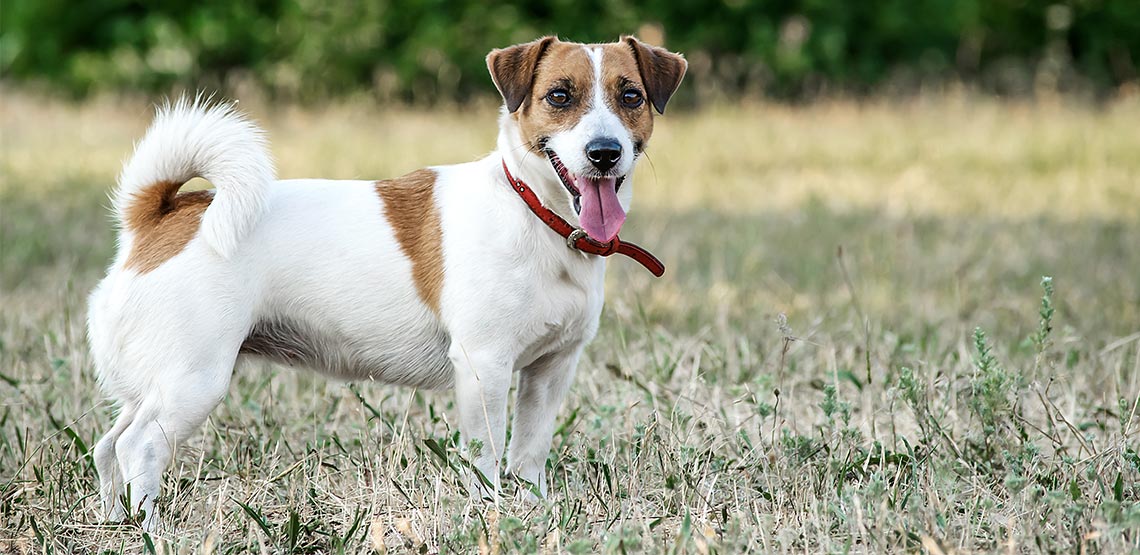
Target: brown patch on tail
163,222
409,206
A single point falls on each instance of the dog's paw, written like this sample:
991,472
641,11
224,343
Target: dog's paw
527,492
480,486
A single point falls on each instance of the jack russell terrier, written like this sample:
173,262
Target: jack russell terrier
450,276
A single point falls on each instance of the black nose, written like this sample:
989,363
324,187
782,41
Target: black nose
603,153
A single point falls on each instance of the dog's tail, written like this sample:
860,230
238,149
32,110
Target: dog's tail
197,138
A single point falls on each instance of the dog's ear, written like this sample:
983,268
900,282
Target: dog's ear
661,71
512,69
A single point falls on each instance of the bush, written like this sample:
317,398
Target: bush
432,50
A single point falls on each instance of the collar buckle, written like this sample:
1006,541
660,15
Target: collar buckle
572,239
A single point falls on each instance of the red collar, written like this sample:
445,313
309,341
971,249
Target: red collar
577,238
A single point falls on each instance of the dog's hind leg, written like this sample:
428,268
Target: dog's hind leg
177,406
107,465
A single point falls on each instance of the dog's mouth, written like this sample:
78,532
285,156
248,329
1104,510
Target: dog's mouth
595,200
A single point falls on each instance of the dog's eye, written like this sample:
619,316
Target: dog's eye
559,98
632,98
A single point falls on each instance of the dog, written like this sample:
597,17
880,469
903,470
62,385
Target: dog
451,276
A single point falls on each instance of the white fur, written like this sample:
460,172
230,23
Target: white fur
191,139
321,256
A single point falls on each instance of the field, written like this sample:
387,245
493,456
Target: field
853,349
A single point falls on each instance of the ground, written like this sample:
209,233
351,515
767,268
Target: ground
853,349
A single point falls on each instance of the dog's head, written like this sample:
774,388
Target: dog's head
586,109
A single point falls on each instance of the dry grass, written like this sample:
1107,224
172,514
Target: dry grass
870,420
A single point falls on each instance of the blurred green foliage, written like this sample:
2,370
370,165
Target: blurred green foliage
432,50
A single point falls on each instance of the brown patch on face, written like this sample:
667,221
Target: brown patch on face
629,64
564,66
163,222
409,206
512,69
620,74
661,71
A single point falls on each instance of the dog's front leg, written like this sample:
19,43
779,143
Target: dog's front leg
542,386
482,383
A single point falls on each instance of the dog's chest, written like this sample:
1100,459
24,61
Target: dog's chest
565,313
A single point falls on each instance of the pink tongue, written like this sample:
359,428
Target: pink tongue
602,214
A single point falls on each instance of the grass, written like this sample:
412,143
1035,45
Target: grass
853,349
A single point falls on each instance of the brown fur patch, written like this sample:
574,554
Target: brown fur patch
620,73
163,222
409,205
564,66
660,69
652,71
512,69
